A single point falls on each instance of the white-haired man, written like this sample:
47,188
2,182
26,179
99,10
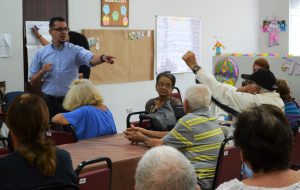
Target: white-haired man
165,168
197,135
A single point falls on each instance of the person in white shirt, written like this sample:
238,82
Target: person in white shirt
260,88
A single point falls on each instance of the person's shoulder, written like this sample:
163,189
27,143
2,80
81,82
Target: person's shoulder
188,116
151,101
232,184
61,153
75,47
175,101
44,49
11,157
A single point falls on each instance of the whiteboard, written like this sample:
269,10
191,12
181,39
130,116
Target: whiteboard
33,44
174,37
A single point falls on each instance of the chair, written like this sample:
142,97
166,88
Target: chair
99,179
144,122
63,136
176,93
59,187
4,150
295,159
141,123
228,165
9,98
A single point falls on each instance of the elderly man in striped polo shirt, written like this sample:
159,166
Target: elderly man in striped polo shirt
197,135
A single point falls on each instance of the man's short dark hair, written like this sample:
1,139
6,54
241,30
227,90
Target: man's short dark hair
54,19
265,138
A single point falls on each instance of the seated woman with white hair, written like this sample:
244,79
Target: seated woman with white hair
88,115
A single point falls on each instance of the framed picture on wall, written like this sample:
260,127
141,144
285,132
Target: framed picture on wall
115,13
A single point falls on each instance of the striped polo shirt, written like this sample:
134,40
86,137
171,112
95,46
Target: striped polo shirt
198,136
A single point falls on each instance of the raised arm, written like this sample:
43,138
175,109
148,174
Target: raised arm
36,33
60,119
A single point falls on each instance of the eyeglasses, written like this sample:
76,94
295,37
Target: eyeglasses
60,29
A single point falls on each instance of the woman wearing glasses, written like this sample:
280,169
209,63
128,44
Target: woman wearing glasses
164,109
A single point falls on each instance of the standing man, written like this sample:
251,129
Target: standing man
56,65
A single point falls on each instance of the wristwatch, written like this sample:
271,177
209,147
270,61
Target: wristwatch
101,58
196,68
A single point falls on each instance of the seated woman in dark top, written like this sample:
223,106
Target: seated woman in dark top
35,161
164,108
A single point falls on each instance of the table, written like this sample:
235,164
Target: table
123,154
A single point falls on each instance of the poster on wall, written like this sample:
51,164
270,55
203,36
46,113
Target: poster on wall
114,13
174,37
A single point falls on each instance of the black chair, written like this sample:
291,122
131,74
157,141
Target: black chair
176,93
141,123
228,165
61,134
4,150
59,187
295,159
99,179
9,98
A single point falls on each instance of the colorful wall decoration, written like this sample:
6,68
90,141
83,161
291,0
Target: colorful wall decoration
273,26
115,13
226,71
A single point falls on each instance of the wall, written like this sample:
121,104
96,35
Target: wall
235,22
222,18
280,9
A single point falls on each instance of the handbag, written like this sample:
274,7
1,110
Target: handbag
163,119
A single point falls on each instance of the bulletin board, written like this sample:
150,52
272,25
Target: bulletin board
134,52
